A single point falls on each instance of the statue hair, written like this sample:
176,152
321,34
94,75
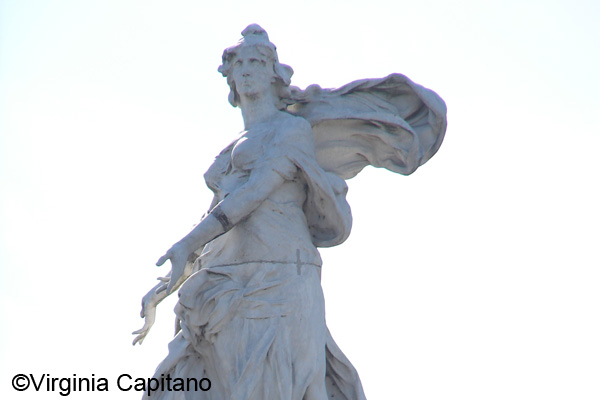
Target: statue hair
255,36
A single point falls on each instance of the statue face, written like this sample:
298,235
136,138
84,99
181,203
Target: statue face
252,73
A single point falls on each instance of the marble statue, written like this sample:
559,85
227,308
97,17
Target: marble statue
250,315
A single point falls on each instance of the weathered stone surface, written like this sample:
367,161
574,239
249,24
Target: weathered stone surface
251,311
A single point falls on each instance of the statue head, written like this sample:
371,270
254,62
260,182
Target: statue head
256,38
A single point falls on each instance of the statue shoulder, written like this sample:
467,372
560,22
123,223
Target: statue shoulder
297,129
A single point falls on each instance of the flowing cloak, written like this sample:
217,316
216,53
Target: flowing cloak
389,122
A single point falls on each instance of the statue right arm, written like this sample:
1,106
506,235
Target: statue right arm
264,179
159,292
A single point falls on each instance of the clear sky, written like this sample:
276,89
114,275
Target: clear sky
477,277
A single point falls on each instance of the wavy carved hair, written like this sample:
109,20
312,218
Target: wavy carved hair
255,36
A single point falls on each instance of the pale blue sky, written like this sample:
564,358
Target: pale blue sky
474,278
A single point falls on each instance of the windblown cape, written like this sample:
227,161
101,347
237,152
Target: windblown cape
390,122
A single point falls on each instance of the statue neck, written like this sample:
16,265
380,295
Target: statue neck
257,110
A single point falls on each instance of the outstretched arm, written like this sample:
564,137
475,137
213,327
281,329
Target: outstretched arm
224,215
229,212
159,292
237,206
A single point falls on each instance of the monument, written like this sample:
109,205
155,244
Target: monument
250,313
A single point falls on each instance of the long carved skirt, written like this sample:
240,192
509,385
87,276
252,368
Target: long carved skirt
255,330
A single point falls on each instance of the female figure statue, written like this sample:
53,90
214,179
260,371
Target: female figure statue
251,311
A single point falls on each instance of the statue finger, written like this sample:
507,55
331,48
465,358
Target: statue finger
164,258
139,339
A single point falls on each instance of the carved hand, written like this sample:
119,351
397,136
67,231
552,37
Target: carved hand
149,303
178,254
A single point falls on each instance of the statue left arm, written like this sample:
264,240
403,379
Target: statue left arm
149,303
157,294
